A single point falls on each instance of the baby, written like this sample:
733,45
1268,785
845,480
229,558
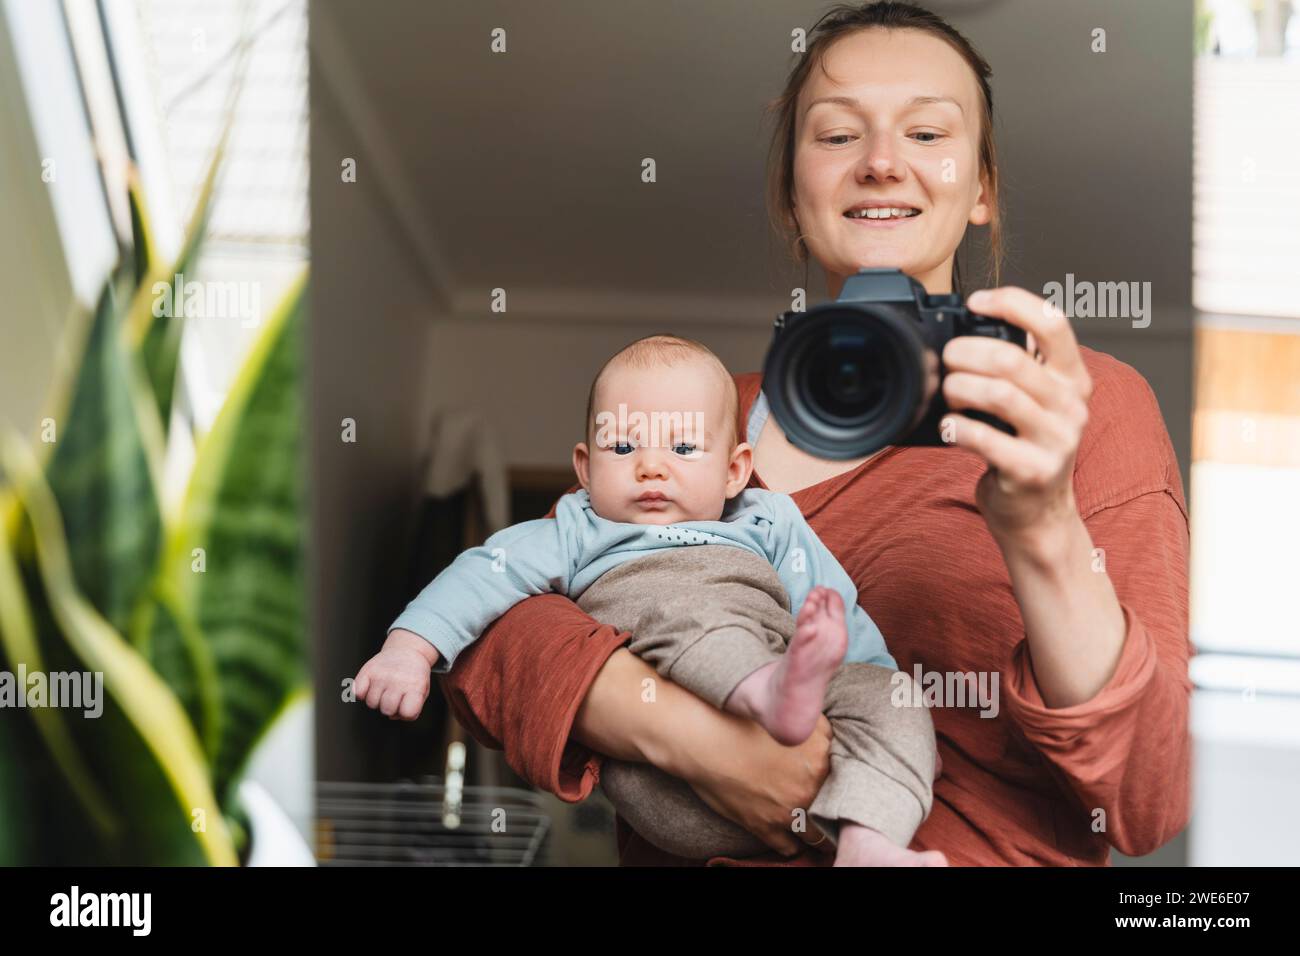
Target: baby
664,541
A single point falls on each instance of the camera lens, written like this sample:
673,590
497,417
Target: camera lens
847,380
847,384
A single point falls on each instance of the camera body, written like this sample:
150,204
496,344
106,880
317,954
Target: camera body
846,378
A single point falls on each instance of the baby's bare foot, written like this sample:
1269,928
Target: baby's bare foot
797,684
860,846
786,696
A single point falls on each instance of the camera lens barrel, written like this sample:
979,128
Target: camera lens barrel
846,380
849,377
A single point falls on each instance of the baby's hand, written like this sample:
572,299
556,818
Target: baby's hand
396,680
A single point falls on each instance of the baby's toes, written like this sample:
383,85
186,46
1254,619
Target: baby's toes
834,604
809,609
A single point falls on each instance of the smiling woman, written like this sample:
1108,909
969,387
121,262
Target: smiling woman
922,141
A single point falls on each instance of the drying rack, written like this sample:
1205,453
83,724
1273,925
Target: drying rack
428,823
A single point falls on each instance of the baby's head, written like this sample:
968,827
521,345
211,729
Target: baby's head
662,418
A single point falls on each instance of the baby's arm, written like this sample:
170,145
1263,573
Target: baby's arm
803,562
483,583
396,680
455,608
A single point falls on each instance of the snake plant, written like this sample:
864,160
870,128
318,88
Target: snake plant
194,619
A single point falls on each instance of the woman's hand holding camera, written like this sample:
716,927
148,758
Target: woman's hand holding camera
1028,487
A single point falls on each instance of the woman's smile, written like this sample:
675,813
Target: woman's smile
884,221
879,209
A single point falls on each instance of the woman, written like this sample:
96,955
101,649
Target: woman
1042,576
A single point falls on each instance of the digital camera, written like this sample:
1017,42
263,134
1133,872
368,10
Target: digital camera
849,377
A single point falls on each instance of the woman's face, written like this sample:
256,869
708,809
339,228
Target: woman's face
885,144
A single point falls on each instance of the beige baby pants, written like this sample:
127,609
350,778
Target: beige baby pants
708,616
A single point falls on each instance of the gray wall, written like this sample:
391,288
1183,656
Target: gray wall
370,340
1097,157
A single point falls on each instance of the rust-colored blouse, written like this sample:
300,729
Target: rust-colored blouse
1031,785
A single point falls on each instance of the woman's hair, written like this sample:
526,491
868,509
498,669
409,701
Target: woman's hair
841,21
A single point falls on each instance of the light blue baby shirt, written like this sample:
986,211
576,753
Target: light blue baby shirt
567,553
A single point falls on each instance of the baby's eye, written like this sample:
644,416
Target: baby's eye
620,445
690,449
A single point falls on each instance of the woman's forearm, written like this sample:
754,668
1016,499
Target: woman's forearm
632,713
732,763
1073,620
610,721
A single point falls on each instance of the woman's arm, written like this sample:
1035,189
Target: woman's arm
1074,624
1100,682
1126,751
519,686
732,763
555,690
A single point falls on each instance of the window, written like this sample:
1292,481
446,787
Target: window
1246,244
1245,473
1246,447
177,63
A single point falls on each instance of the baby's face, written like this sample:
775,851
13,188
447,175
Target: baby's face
668,456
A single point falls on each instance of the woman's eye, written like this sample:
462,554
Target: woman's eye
690,449
830,140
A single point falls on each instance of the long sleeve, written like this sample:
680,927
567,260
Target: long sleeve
453,610
803,562
1126,752
519,687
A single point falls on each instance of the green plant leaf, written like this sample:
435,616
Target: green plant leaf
142,245
39,816
165,634
152,334
18,800
241,523
22,650
103,472
146,750
182,657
